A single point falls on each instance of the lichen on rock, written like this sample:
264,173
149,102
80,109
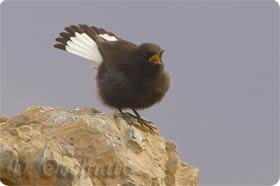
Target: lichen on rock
49,146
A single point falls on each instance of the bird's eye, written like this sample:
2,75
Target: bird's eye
144,54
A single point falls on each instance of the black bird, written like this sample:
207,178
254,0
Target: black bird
129,76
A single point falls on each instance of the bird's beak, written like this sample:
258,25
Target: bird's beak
156,58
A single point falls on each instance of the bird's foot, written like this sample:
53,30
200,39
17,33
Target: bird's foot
128,120
146,123
127,117
142,121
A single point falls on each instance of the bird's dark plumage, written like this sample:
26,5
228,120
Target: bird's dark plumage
129,76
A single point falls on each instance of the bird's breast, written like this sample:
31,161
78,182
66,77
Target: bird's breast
121,91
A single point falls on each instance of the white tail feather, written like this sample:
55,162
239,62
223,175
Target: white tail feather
74,50
80,44
107,37
84,38
83,46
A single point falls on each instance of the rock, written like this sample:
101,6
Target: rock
49,146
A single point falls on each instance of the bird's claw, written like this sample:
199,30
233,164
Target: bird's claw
143,122
146,123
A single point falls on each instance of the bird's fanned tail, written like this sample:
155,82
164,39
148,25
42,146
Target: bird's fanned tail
82,40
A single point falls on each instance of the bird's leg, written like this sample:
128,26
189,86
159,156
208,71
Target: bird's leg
127,119
143,121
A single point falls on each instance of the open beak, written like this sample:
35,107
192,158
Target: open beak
156,58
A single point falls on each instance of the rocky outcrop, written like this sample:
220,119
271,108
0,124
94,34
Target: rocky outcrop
49,146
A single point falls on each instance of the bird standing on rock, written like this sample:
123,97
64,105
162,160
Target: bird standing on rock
129,76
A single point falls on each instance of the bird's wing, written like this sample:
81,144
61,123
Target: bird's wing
82,40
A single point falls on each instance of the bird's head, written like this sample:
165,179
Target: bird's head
150,54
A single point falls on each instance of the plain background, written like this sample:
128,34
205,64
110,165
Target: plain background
222,107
